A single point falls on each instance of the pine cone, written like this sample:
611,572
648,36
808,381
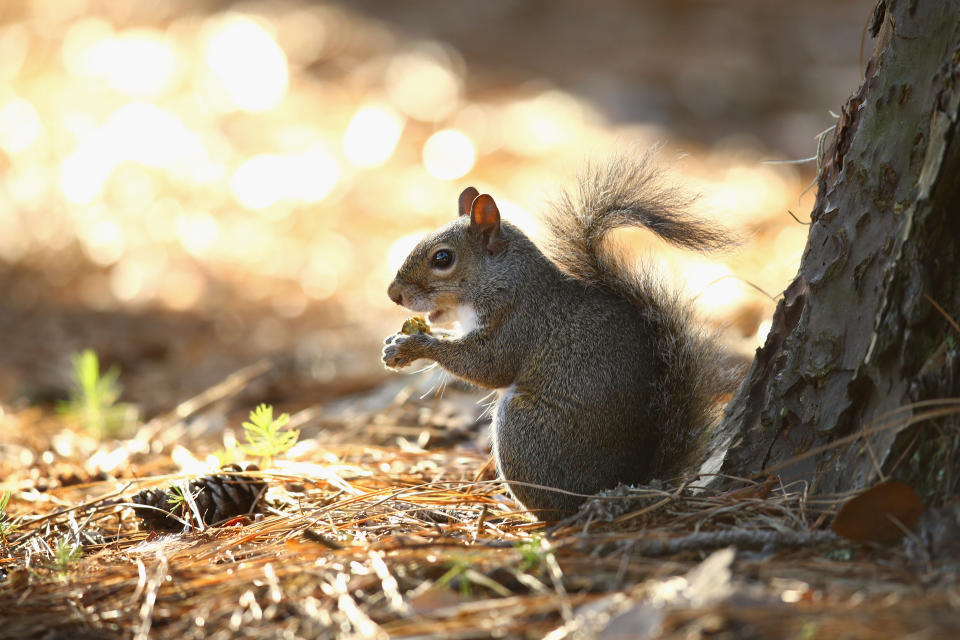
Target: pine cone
219,497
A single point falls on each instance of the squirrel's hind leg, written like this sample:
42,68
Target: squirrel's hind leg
526,447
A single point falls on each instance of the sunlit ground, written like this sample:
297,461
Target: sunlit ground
286,155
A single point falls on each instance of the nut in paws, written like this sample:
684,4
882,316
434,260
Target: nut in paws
400,350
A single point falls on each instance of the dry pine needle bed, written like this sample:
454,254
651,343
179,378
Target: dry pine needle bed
414,538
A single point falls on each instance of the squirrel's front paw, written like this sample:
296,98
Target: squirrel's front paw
400,350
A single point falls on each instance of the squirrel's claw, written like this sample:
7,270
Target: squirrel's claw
392,358
400,350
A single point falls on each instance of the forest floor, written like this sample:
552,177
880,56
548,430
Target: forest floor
385,520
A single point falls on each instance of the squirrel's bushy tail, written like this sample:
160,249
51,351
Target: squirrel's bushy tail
629,192
622,192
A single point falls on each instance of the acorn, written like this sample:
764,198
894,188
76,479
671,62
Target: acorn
414,325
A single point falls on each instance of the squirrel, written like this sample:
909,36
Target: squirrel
603,375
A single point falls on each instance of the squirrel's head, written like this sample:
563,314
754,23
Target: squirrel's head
451,264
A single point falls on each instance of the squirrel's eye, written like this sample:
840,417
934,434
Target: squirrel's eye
442,259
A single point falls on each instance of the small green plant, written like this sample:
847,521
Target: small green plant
93,398
66,555
532,553
264,434
7,524
461,570
176,499
225,456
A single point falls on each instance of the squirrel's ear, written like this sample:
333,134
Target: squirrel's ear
485,219
466,199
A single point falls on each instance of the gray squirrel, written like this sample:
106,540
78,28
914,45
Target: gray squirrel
603,375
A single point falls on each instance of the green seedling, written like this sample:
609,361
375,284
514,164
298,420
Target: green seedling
225,456
176,499
532,553
94,396
265,435
461,570
66,555
7,524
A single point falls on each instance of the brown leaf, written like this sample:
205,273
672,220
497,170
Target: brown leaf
873,515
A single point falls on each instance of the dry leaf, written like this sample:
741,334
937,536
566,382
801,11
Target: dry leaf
873,516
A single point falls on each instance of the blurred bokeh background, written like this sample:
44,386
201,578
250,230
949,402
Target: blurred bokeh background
187,185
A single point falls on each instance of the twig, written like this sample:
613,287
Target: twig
943,312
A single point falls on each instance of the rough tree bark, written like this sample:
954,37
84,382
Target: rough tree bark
854,380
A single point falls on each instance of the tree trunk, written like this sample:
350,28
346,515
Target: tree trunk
855,379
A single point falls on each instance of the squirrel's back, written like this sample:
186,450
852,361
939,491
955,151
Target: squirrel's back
630,192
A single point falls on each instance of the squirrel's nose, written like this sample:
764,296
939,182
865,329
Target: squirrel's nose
395,293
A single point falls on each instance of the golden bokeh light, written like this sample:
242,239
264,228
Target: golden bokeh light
267,179
144,63
82,176
312,175
423,85
181,287
136,277
292,153
540,124
141,63
480,123
418,194
448,154
20,126
137,132
83,42
258,182
198,232
304,32
372,135
149,135
319,278
520,216
27,185
401,247
748,192
249,69
14,42
104,242
713,285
